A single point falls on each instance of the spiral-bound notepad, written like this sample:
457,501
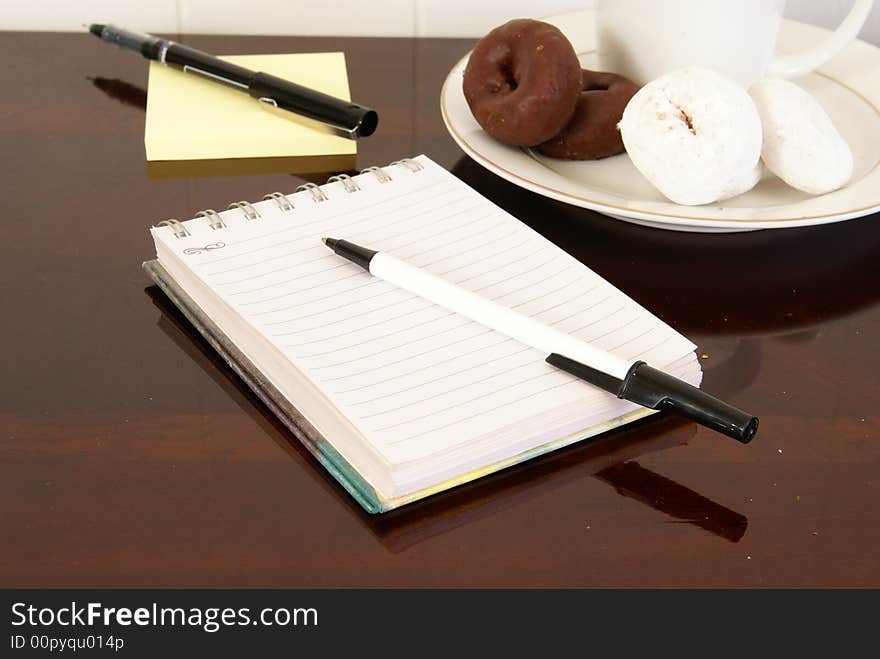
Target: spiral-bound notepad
397,397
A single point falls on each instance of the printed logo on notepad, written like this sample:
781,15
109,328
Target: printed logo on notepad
189,251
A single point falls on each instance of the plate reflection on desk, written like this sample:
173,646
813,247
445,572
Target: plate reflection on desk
848,87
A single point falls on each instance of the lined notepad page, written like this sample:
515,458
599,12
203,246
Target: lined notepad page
414,378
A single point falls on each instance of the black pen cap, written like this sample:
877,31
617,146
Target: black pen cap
655,389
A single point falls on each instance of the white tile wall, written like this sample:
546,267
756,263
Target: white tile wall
328,17
456,18
155,15
441,18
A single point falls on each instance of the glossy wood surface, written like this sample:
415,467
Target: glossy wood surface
131,456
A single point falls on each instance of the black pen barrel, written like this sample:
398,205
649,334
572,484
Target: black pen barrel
197,61
314,104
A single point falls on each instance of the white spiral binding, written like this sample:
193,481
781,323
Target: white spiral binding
347,182
176,226
250,213
280,199
380,174
316,192
412,165
213,217
318,195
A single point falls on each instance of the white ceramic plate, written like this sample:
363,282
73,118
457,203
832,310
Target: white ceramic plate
848,87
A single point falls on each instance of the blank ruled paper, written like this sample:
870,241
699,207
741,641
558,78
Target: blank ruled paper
414,378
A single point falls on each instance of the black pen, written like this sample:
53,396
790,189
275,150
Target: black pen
633,381
348,119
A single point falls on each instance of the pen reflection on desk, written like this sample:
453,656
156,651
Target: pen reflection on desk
121,91
665,495
636,382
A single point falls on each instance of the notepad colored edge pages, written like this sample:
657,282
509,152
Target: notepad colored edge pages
318,445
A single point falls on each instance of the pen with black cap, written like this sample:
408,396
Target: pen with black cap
344,117
633,381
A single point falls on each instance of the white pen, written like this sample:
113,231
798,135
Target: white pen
633,381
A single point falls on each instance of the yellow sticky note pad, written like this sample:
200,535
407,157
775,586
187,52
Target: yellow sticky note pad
198,127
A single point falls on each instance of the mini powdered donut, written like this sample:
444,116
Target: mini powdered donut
592,132
801,144
749,180
695,135
522,82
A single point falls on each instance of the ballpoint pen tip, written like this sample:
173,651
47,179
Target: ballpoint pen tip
324,240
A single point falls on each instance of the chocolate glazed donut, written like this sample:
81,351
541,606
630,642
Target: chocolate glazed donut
522,82
592,132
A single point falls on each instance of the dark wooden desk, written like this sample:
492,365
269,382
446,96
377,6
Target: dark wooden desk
129,456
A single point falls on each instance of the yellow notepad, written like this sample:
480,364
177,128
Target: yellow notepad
197,127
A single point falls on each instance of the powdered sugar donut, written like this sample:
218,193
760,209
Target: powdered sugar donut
749,181
801,144
695,135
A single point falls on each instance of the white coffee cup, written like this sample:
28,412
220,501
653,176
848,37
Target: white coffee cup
643,39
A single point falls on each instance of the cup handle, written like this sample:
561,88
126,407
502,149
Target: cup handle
807,60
